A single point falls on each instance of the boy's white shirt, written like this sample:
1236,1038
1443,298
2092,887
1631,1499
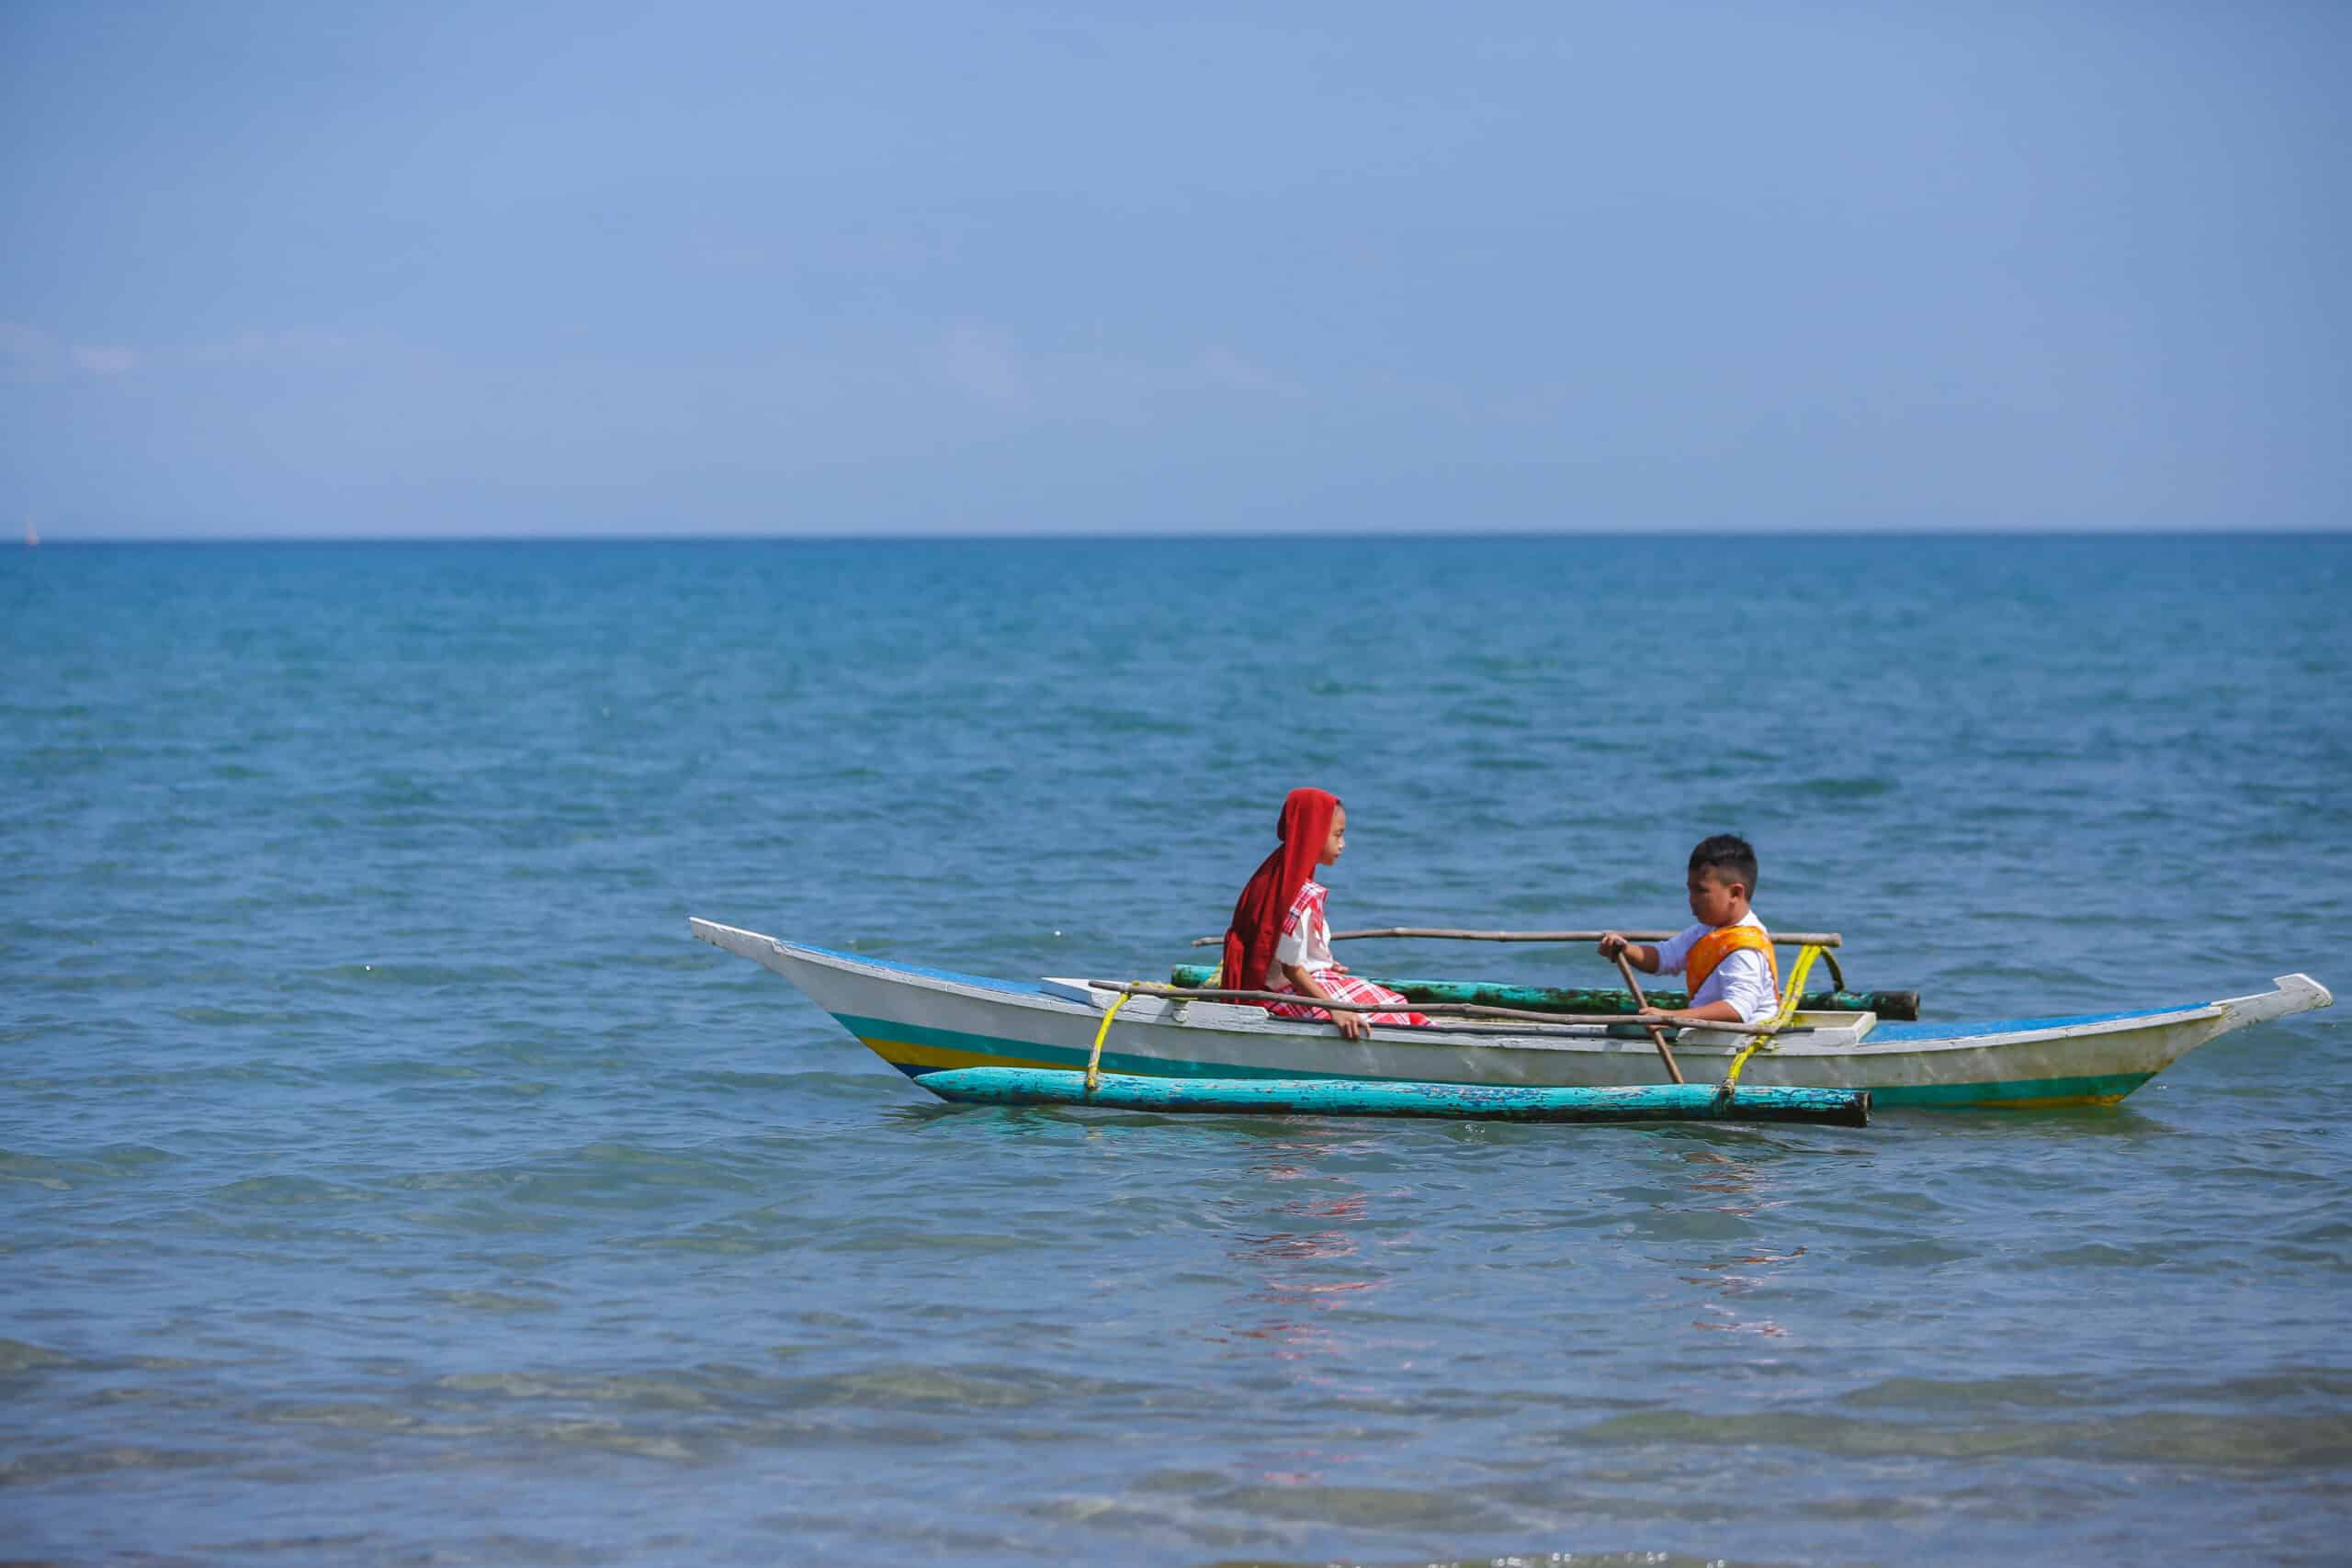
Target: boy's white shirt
1744,979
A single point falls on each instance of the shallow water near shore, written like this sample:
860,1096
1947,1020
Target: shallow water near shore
386,1177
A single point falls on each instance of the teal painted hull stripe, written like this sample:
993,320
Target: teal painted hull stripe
2107,1087
1113,1061
2110,1086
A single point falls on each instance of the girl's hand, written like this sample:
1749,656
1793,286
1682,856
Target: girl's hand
1611,944
1351,1024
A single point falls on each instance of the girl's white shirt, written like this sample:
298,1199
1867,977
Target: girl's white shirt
1306,940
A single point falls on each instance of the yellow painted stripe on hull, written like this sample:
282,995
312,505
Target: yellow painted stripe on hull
903,1054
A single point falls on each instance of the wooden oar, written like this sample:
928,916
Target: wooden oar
1781,939
1641,1003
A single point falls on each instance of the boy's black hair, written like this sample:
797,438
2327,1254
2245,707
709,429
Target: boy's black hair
1730,857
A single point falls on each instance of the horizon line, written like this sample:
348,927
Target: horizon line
1199,535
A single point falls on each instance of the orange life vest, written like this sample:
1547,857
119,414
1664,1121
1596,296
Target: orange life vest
1719,944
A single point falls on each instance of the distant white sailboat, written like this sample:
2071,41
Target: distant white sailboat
32,535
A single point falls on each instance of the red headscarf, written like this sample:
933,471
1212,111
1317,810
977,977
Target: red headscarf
1257,914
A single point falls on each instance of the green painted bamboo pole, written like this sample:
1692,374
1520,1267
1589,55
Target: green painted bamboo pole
1890,1006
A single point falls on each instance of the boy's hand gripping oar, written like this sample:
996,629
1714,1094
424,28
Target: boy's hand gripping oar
1641,1004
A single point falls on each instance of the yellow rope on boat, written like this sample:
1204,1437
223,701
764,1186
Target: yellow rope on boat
1791,995
1094,1059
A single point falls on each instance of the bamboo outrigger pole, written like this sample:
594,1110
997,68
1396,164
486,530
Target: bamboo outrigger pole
1779,939
1430,1009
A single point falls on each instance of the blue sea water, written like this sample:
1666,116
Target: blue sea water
386,1177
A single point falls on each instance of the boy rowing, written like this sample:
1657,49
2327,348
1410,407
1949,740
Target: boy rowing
1732,976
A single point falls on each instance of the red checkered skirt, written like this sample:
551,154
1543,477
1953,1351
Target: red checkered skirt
1347,989
1306,909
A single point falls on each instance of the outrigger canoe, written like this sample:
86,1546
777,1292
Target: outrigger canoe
924,1021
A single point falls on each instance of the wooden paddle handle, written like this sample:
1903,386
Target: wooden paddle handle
1642,1004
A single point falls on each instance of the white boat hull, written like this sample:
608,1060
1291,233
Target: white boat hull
924,1021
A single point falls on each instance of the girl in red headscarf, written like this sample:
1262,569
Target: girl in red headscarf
1280,940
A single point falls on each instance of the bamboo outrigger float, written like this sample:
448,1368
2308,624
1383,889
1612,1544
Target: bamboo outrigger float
925,1022
1349,1097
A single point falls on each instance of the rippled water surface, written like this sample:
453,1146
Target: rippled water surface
385,1177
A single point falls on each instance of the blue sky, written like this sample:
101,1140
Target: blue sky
716,268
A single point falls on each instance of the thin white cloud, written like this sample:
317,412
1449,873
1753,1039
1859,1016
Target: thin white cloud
985,364
28,354
290,346
1218,365
105,360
